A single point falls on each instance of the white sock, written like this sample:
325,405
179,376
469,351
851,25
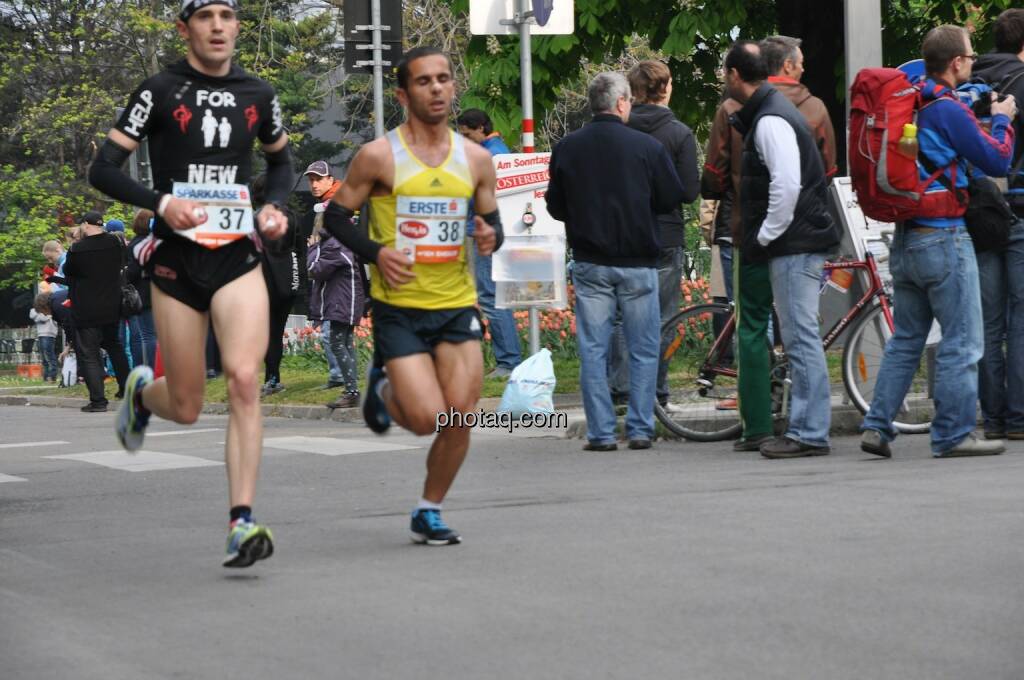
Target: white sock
424,504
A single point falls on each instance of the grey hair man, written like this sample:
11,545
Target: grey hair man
608,184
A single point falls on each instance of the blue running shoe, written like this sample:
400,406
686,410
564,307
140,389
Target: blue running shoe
428,527
375,413
131,420
248,542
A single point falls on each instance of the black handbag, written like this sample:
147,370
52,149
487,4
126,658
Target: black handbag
989,216
131,301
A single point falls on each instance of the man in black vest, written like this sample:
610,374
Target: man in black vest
785,222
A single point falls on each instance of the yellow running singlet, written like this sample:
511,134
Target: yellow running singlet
425,217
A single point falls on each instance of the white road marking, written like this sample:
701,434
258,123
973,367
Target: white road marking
11,478
28,445
170,433
330,446
143,461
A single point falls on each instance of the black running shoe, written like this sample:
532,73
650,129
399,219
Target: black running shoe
375,412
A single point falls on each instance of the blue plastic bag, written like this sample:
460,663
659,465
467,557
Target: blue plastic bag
531,387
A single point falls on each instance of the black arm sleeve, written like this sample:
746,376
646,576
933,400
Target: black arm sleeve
338,222
280,175
106,175
494,219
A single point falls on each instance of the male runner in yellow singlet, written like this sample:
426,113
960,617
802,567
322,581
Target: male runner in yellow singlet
419,179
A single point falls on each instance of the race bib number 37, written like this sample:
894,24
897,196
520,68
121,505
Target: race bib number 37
430,229
229,214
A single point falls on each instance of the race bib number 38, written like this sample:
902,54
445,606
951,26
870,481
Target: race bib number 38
228,212
430,229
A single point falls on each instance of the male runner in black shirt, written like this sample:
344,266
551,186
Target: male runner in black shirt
202,260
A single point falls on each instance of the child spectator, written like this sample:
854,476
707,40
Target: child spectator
46,334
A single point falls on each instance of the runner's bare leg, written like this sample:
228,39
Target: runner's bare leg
451,380
241,320
181,331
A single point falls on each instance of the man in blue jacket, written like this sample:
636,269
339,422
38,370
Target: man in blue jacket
608,184
935,273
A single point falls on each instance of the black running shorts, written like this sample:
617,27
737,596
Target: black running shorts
403,331
191,273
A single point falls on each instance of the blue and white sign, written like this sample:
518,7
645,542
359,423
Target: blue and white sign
550,17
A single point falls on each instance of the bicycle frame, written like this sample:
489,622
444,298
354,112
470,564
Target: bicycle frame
876,289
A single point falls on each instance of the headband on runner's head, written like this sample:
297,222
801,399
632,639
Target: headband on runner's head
190,7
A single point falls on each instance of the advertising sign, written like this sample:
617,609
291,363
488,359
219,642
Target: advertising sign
529,270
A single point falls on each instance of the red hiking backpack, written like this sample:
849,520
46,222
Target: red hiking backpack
888,185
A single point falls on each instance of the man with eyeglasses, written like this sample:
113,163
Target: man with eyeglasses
935,272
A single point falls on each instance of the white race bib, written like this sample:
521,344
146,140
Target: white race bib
229,215
430,229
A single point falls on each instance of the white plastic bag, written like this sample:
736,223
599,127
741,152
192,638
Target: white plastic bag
69,371
531,387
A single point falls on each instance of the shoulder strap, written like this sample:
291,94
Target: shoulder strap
939,175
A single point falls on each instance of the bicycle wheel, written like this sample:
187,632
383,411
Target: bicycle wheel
862,359
700,374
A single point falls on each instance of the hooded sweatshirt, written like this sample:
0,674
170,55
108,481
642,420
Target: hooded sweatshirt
659,122
997,68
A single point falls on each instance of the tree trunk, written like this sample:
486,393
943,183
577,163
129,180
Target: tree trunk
819,24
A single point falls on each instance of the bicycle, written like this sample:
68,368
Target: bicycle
699,358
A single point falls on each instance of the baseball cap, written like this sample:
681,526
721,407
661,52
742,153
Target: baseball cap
190,7
92,217
318,168
115,225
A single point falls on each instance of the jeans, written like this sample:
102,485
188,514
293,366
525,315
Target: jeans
796,285
333,370
725,257
142,338
670,275
600,290
504,336
88,343
345,353
753,350
49,357
935,276
1001,369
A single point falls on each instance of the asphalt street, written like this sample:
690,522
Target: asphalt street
684,561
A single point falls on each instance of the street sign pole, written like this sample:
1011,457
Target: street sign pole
523,17
378,70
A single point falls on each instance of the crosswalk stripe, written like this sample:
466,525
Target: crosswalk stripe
11,478
171,433
142,461
28,445
330,446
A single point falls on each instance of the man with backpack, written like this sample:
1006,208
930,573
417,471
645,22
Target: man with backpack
935,273
1001,268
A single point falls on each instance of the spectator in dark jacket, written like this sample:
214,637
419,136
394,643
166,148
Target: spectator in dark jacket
337,295
280,259
651,84
93,269
141,329
608,184
1001,270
